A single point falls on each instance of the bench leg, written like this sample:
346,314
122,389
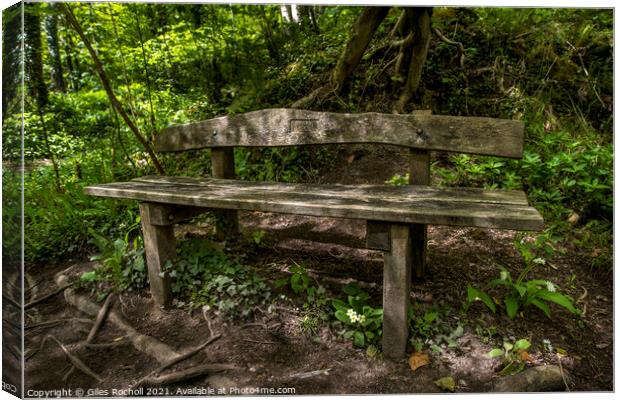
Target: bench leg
418,249
396,287
159,247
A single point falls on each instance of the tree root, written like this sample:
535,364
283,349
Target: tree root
47,296
175,360
77,363
146,344
103,312
545,378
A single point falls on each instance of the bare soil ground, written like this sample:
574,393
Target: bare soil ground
273,351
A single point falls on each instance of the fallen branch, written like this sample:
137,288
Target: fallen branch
188,373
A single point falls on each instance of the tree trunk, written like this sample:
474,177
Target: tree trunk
51,31
33,58
11,48
421,40
361,34
108,88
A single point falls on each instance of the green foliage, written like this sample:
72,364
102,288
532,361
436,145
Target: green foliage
520,293
362,323
398,180
430,328
513,356
203,275
122,262
301,284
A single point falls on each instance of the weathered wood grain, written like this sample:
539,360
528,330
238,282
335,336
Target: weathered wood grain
223,166
291,127
419,174
378,235
159,247
396,288
423,205
382,192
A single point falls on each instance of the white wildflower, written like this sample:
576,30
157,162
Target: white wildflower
550,286
353,315
540,261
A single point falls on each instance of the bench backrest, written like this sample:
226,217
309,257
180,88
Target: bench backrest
291,127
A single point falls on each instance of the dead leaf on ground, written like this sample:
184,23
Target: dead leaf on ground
525,356
418,359
446,383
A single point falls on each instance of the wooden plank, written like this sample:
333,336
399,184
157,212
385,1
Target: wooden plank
419,174
241,196
223,166
291,127
396,288
381,192
159,247
378,235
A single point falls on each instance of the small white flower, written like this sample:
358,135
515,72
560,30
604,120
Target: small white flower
540,261
550,286
352,315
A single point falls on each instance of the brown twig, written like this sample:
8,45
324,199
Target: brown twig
458,45
562,373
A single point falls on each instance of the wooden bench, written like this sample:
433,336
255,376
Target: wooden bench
396,215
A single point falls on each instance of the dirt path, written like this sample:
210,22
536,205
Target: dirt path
279,353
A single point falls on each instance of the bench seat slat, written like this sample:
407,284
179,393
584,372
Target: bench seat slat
365,192
436,206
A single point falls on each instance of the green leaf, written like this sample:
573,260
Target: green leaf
558,299
522,344
359,339
351,289
495,353
340,305
342,316
89,276
543,306
512,306
474,294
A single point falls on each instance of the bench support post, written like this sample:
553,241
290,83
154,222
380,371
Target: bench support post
223,167
159,247
396,288
419,174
